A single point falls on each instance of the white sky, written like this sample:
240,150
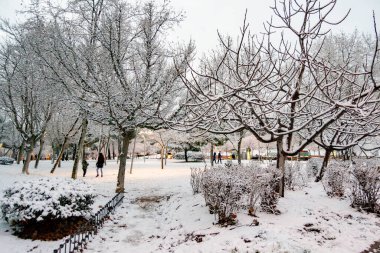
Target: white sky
205,17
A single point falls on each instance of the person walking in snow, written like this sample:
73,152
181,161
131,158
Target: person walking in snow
214,158
99,165
219,157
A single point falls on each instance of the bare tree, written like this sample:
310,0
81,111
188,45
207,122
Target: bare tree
25,85
277,90
137,80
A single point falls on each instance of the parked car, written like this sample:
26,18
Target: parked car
4,160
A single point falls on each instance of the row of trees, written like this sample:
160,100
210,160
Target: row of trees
309,87
105,61
109,62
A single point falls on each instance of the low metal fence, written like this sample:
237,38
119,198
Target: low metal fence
77,242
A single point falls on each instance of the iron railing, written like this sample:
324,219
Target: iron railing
77,242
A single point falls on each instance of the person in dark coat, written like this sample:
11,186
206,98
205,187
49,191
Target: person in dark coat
214,157
219,157
99,164
84,167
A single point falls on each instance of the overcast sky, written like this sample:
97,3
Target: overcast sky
205,17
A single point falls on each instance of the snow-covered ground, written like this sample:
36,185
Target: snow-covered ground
160,214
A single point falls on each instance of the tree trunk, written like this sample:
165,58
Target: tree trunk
107,147
144,150
186,159
29,151
133,151
57,150
14,152
42,142
162,157
60,155
119,148
119,144
74,151
109,150
53,153
127,137
212,154
20,152
324,164
166,152
78,155
239,149
84,161
281,166
113,150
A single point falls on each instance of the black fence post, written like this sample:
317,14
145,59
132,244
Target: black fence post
78,241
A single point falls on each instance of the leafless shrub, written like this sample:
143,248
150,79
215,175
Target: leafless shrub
312,166
269,193
336,178
227,189
365,187
222,191
295,176
196,179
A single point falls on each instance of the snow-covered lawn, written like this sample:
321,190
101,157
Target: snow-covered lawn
160,214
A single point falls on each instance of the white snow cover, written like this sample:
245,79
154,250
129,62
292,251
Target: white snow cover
160,214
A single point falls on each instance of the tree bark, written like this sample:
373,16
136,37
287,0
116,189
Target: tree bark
42,142
84,161
109,149
162,157
20,152
53,153
127,137
29,151
186,158
133,151
79,152
212,154
57,150
281,166
239,148
60,155
74,151
113,150
324,164
166,152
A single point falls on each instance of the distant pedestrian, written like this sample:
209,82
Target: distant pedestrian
214,157
84,167
219,157
99,165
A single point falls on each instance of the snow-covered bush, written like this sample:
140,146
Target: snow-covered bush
46,198
365,186
313,165
295,176
336,178
270,178
227,189
223,190
255,189
196,179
